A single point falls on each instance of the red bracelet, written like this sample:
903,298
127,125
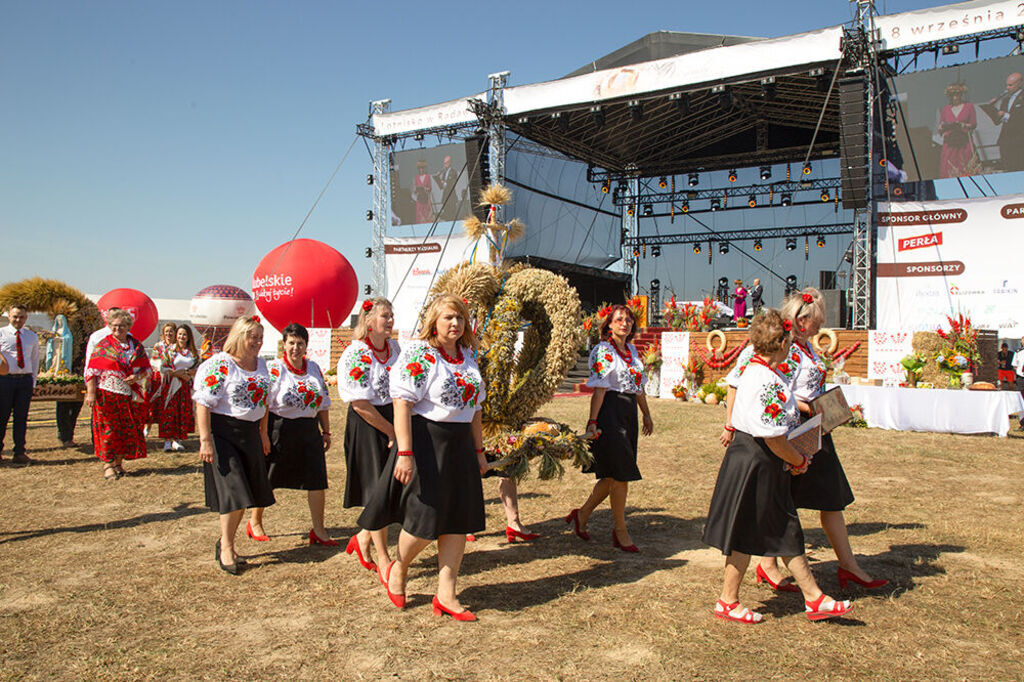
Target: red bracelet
405,453
730,429
591,421
479,450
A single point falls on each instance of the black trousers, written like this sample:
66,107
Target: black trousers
15,397
67,416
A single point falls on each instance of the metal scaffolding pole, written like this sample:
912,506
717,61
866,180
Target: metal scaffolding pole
496,133
381,201
630,231
860,294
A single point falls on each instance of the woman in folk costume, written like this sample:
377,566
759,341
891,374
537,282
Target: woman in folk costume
115,376
177,369
155,390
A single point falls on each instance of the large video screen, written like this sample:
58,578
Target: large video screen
962,120
435,184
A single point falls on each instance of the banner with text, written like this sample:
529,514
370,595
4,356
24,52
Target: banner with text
675,353
413,264
941,258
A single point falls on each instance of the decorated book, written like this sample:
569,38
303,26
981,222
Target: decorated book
833,409
806,438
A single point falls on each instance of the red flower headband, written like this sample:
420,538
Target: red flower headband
787,325
808,298
367,305
256,319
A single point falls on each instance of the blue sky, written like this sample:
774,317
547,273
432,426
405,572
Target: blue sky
169,146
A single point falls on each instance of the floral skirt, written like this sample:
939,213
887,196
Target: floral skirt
177,417
154,399
117,423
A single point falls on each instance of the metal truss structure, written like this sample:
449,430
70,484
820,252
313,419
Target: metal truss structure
738,235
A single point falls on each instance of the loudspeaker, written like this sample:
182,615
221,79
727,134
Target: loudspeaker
853,142
835,308
826,279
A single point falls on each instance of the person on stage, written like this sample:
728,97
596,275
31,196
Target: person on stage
1009,117
176,413
751,510
230,391
431,482
756,293
739,308
20,347
298,426
957,122
617,376
114,388
363,382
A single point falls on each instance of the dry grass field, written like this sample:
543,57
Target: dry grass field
117,580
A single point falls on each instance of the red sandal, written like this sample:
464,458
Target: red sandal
820,609
734,613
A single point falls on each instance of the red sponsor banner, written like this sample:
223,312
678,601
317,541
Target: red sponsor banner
931,269
936,217
1011,211
921,241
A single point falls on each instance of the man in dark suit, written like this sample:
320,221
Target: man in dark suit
448,181
756,292
1010,118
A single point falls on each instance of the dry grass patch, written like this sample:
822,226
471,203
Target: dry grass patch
117,580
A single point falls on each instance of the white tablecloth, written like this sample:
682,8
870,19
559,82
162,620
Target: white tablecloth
934,409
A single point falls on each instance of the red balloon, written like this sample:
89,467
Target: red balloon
305,281
135,303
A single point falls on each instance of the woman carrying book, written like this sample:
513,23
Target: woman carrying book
752,509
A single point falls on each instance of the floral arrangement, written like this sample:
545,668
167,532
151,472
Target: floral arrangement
914,365
679,391
62,379
550,445
960,348
694,369
688,316
638,306
858,421
652,356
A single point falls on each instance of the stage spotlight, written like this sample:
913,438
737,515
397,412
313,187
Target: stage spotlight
768,88
696,248
723,248
561,121
369,215
950,49
367,290
724,93
732,176
606,187
648,210
418,137
821,241
821,79
685,208
655,251
790,244
786,200
625,233
848,256
681,101
766,172
629,211
369,179
636,252
752,201
757,245
597,116
369,252
524,122
790,284
715,204
897,191
824,195
693,180
807,168
663,182
636,109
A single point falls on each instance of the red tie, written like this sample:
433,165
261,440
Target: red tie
21,353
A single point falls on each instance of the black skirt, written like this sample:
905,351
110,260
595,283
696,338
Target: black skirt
445,495
237,477
752,509
296,454
824,486
366,452
614,450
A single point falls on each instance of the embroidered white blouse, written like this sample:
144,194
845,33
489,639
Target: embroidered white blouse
292,395
439,390
225,388
765,406
810,372
362,376
608,369
787,368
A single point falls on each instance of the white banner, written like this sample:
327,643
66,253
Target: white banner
885,350
319,348
675,353
433,116
942,258
413,264
948,21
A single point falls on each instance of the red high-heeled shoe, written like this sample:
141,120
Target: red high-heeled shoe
574,519
397,599
257,538
619,545
353,546
511,534
762,577
315,539
849,576
439,609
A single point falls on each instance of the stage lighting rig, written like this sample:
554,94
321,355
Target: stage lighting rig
648,210
790,244
693,180
681,101
724,93
951,48
696,248
766,172
685,208
630,210
790,284
606,187
807,168
768,88
716,204
655,251
369,252
561,121
418,137
752,201
369,179
824,195
625,233
367,290
636,252
636,110
369,215
732,176
821,241
663,182
786,200
597,116
723,248
757,245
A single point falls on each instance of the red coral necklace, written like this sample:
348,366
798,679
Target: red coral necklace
293,370
386,350
758,360
457,360
627,357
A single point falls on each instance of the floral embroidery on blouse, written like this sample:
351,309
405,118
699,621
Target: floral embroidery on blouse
421,360
601,361
303,394
383,386
275,373
358,369
460,390
251,394
772,399
214,379
637,377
